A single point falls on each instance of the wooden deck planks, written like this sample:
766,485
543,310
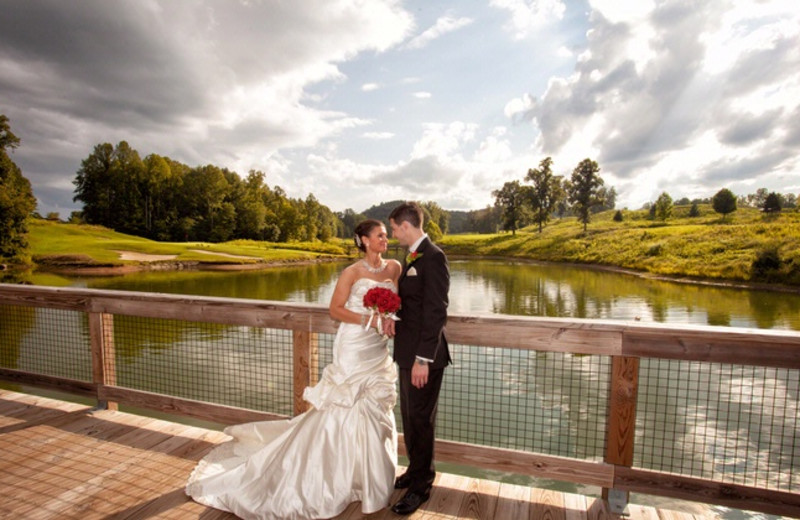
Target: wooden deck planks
66,461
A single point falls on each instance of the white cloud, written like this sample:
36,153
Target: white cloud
659,109
378,135
422,95
529,15
444,25
444,141
370,87
520,108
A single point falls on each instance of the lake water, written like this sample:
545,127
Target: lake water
500,287
556,392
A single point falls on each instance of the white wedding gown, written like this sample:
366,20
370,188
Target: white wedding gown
342,450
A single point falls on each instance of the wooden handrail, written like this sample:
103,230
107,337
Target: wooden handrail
624,342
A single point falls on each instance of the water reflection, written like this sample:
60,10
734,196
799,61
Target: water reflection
567,291
501,287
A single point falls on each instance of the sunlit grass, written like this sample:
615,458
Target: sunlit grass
707,246
53,242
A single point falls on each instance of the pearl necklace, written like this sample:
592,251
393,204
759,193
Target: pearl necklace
374,270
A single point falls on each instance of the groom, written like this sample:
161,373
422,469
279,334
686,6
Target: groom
420,349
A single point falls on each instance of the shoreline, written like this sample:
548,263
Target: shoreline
119,270
711,282
168,265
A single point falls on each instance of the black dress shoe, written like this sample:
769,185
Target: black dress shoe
410,503
402,482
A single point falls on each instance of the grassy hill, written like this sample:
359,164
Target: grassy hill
71,245
746,246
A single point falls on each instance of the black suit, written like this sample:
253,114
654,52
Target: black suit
423,287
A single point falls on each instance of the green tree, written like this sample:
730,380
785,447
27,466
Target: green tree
350,220
511,199
724,202
584,190
95,187
759,197
159,188
545,193
694,211
607,198
618,216
773,203
251,212
663,207
16,200
206,189
435,213
485,220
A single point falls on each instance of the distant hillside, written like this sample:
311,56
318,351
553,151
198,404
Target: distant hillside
382,210
747,245
459,220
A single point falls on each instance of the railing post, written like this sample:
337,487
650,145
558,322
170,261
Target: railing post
306,366
104,368
621,422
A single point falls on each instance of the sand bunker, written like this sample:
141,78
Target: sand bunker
143,257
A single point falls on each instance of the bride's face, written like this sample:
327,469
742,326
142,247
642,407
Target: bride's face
378,240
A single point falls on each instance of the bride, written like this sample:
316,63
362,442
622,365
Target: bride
344,448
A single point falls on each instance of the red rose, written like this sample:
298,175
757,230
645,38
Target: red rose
382,300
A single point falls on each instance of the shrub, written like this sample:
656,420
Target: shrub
655,250
766,265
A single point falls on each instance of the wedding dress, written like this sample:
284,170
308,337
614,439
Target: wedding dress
342,450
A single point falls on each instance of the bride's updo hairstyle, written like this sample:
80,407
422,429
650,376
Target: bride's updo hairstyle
363,229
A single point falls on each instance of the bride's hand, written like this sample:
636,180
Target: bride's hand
388,328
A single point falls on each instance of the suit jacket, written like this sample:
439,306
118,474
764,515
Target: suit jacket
423,288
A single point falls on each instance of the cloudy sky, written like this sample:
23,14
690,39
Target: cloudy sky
365,101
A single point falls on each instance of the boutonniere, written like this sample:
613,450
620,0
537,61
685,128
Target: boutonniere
412,257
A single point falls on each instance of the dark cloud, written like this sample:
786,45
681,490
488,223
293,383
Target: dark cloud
199,81
746,128
424,174
97,60
728,170
761,67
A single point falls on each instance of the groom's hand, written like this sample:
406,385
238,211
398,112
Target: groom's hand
419,375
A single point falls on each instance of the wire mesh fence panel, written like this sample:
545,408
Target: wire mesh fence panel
728,423
542,402
52,342
240,366
324,352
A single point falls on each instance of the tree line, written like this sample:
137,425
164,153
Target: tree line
162,199
548,194
16,201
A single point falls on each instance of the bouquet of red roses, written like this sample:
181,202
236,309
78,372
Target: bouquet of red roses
382,303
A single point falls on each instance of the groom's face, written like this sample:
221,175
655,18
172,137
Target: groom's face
399,232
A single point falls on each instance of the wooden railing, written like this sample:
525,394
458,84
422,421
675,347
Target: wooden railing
625,343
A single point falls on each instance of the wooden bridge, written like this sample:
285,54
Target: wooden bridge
60,460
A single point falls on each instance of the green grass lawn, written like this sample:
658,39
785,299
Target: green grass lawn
707,246
54,243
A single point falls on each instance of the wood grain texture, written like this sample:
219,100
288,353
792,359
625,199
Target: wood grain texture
81,464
